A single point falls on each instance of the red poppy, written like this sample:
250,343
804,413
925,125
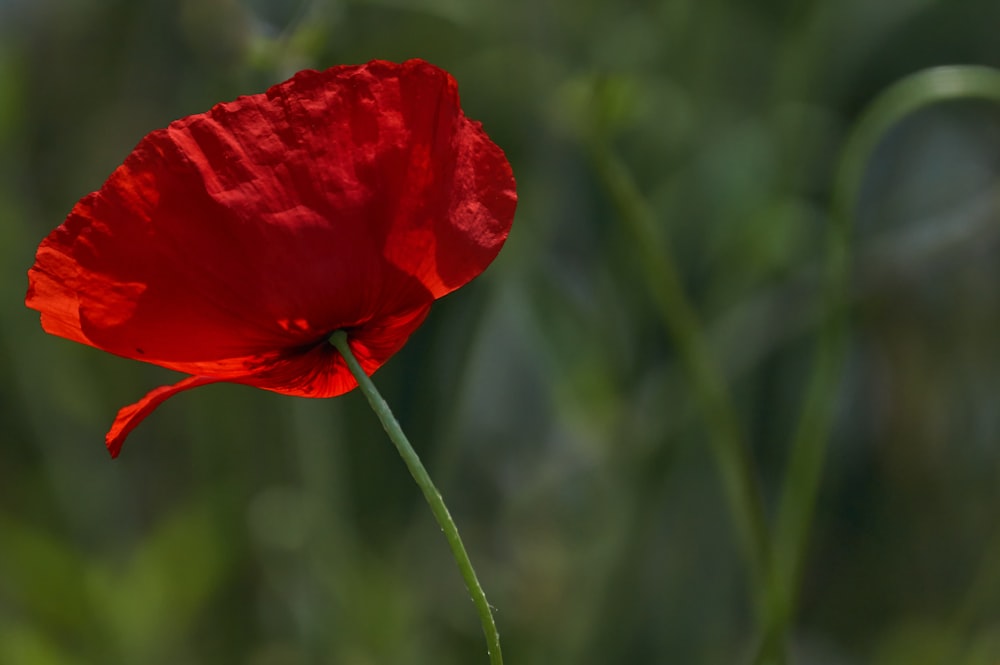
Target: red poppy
231,244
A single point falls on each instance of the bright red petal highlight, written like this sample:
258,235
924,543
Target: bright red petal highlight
231,244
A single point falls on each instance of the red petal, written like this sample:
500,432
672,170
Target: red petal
321,371
318,372
231,243
51,292
130,416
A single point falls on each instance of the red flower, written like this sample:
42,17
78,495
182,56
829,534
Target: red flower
231,244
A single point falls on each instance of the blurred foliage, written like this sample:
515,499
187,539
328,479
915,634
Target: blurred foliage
548,400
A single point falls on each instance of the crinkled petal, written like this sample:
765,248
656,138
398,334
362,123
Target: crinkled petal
51,292
130,416
230,244
245,235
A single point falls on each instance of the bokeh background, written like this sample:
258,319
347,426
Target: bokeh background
549,399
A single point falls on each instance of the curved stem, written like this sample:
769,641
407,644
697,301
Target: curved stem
805,464
679,318
431,493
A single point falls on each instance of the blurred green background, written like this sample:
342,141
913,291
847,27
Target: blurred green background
549,399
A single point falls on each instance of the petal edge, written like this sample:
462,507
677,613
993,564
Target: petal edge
130,416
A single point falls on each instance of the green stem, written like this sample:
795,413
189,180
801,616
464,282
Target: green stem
431,493
805,464
726,438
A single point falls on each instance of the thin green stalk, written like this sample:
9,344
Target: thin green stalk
739,477
431,493
798,499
